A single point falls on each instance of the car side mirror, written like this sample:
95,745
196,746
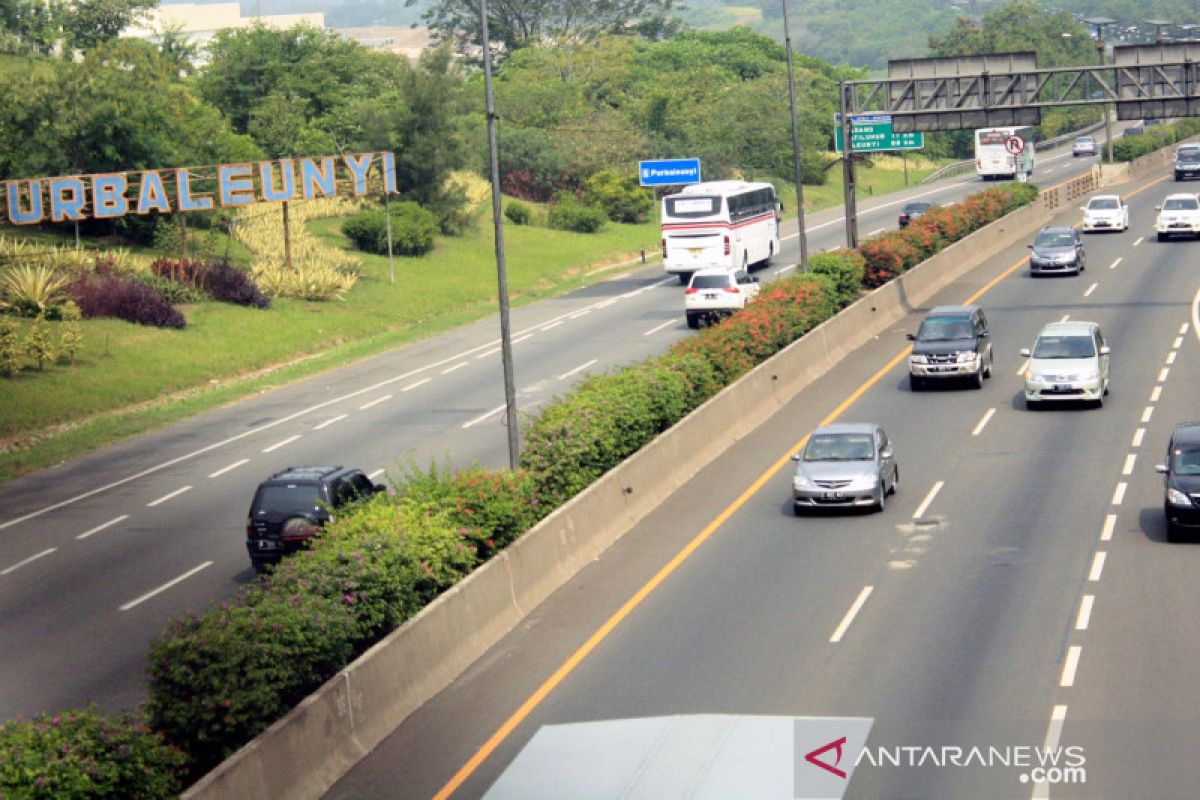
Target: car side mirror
1105,350
885,452
1025,352
1158,208
1083,208
1160,468
912,337
795,456
983,334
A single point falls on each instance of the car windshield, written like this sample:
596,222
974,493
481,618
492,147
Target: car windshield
1180,204
709,281
943,329
1104,204
916,208
1054,239
1186,461
1085,140
1064,347
840,447
1189,156
288,498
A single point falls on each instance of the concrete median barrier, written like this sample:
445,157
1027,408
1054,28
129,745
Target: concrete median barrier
303,754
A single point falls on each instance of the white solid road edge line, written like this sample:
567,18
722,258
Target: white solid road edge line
580,368
229,468
482,417
165,586
167,497
1085,612
1070,666
854,609
983,422
1097,565
102,526
31,559
937,487
281,443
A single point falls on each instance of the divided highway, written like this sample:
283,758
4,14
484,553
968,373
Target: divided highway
1017,591
97,554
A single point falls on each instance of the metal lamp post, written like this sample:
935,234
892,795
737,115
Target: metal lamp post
787,43
510,390
1098,23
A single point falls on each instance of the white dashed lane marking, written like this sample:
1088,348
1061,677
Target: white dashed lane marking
102,526
29,560
412,386
169,496
282,443
1085,612
578,369
331,421
375,402
138,601
1070,666
1110,523
859,602
1097,566
229,468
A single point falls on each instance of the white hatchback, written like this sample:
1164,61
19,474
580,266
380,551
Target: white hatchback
1179,214
713,293
1105,212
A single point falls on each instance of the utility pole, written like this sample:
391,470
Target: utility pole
510,390
850,187
1098,23
787,43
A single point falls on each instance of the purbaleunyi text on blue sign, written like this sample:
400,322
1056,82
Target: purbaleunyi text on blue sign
78,197
669,172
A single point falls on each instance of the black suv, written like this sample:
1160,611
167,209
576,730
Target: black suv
952,342
290,506
1182,470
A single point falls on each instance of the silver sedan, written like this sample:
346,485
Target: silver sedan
846,465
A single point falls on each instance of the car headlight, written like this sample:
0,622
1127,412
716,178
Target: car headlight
919,359
801,482
1178,498
967,356
863,482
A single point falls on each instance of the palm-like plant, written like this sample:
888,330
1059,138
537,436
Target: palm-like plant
31,290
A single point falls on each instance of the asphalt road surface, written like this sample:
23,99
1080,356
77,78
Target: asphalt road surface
97,554
1018,590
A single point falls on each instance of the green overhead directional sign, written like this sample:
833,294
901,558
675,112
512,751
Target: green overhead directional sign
875,134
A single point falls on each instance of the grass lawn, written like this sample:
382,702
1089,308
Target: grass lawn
128,378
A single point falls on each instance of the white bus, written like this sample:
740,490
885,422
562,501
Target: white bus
992,156
728,224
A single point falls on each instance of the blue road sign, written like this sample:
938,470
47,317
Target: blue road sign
669,172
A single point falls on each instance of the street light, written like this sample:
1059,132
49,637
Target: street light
510,391
1098,23
787,43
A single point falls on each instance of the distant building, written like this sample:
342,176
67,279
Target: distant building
200,21
406,41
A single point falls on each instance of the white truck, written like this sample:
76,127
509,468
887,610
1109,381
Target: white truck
1004,153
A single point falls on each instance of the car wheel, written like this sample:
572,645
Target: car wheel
1173,533
798,509
1162,237
693,321
1099,401
916,384
987,373
260,567
1032,405
977,378
895,479
881,502
1178,177
683,278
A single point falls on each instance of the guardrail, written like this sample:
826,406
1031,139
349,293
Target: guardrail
958,167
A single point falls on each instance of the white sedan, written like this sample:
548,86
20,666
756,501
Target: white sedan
1179,214
1106,212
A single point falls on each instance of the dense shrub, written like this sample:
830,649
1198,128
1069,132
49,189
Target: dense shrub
86,753
844,268
413,229
621,197
229,284
110,295
517,213
568,214
218,680
492,507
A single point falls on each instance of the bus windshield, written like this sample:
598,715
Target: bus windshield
693,206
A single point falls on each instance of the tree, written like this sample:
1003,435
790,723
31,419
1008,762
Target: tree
87,23
72,332
29,26
1018,25
10,347
37,342
523,23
